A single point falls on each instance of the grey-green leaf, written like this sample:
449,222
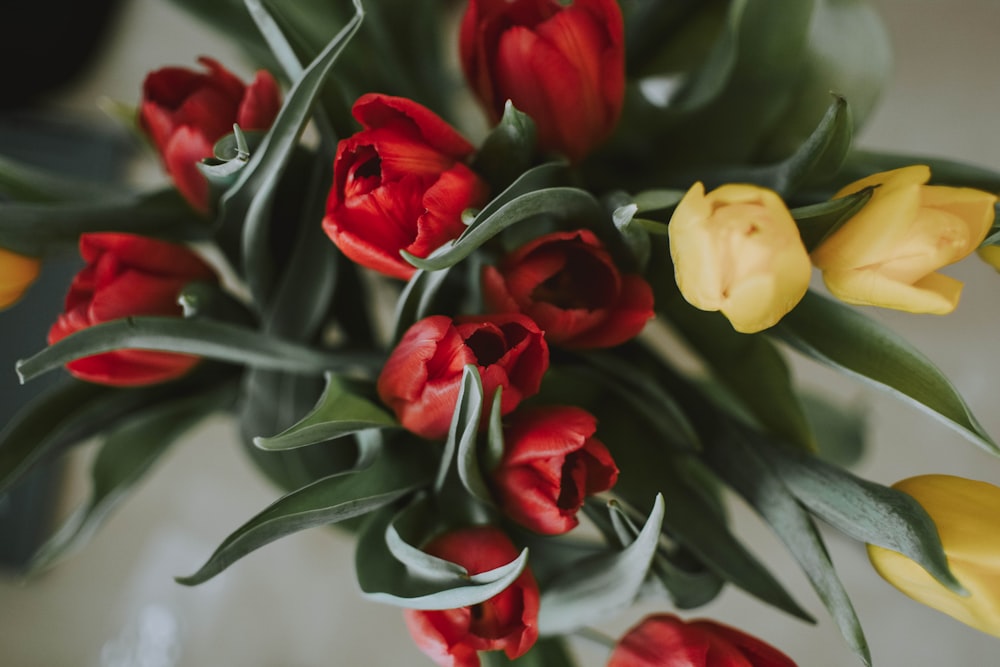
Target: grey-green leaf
338,412
842,337
600,585
398,471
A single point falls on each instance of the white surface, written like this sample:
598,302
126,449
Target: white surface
294,603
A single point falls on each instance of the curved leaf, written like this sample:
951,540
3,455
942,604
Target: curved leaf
840,336
417,520
214,340
863,510
598,586
337,413
561,203
399,470
737,462
818,221
414,304
129,452
383,578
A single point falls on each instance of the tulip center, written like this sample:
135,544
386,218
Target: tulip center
583,282
488,346
364,174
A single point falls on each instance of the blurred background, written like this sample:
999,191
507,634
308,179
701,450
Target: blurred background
295,603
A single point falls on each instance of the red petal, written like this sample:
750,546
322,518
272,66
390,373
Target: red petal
375,110
186,148
260,104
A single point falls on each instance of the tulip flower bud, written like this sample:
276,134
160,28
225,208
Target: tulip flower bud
128,275
399,184
887,254
551,463
508,621
17,272
967,516
568,283
664,640
561,63
185,112
421,379
737,250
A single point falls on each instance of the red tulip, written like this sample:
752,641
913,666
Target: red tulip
550,464
664,640
128,275
185,112
508,621
421,378
399,184
562,64
568,284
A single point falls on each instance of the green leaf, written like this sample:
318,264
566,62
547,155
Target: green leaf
400,470
38,228
736,461
25,183
128,453
862,163
657,200
841,337
73,411
210,301
635,235
415,524
248,202
416,301
275,38
594,588
339,412
508,150
214,340
560,203
839,429
383,578
749,365
460,447
818,221
866,511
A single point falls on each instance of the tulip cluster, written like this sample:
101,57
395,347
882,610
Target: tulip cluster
738,250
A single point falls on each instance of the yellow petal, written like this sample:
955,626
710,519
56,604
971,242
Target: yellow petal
935,294
967,515
16,273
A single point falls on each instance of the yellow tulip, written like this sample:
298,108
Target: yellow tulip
991,255
737,250
16,273
888,253
967,516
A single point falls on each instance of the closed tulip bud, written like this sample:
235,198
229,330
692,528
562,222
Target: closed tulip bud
17,272
737,250
664,640
561,63
967,516
551,463
506,622
888,253
185,112
128,275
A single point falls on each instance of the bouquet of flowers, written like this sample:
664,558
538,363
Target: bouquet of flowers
506,290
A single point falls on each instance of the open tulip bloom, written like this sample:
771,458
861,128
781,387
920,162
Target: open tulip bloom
427,257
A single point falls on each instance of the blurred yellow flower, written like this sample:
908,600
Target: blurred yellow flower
991,255
887,254
737,250
16,273
967,516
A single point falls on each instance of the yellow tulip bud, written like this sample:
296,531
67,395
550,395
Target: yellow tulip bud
887,254
737,250
16,273
991,255
967,516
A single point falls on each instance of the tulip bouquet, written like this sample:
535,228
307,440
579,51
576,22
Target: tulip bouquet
506,289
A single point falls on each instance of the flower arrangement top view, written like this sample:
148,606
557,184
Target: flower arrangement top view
508,291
